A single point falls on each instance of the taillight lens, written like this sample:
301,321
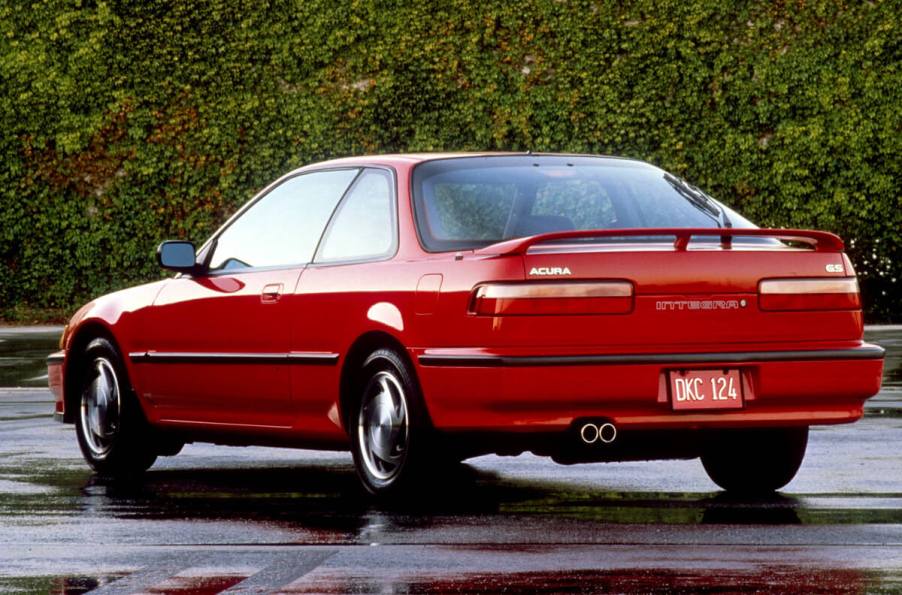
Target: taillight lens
525,299
809,294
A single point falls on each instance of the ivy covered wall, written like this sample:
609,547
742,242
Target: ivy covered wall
125,123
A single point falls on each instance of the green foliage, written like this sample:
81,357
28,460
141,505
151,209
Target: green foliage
128,122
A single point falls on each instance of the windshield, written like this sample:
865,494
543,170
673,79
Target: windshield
471,202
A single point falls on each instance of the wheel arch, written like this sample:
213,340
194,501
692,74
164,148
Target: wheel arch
359,350
86,332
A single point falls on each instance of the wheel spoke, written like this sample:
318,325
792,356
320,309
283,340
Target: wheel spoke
382,449
383,426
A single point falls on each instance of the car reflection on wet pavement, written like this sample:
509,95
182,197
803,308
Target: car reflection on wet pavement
217,519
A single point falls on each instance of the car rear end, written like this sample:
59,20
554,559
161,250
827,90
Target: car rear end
645,324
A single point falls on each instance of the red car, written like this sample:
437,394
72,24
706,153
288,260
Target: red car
422,309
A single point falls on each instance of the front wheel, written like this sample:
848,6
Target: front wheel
388,425
755,461
112,432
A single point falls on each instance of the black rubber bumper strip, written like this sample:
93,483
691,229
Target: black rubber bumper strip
519,361
302,358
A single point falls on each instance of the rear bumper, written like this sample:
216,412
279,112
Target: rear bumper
496,391
55,367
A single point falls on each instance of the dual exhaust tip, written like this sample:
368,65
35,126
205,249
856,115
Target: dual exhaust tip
591,433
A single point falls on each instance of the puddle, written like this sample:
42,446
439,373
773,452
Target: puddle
54,585
777,579
769,579
196,585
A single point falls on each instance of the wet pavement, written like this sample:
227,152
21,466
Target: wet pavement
23,354
216,519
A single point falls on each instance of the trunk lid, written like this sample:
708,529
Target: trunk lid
686,295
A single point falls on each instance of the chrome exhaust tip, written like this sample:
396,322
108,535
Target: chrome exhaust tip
607,432
589,433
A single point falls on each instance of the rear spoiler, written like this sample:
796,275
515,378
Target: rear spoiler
821,241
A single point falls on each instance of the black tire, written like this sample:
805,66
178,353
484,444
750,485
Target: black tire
757,461
168,447
396,469
113,434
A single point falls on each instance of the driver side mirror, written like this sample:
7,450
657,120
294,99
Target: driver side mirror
177,255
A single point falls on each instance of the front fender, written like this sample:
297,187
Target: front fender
117,316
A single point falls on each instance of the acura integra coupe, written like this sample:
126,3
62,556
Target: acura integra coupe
423,309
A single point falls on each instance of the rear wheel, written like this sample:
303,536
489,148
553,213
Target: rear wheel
755,461
112,433
388,425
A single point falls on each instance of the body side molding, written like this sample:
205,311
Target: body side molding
309,358
863,352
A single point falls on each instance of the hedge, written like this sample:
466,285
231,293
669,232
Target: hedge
128,122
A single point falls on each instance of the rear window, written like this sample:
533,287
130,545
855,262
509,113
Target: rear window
471,202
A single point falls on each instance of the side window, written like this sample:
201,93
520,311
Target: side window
284,226
364,225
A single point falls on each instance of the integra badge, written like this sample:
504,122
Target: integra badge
671,305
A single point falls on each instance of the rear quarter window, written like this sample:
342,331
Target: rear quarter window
363,226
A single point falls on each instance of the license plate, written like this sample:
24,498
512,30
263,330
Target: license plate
705,389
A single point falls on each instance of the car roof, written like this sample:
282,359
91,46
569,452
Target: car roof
415,158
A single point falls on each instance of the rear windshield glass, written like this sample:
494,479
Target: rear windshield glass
471,202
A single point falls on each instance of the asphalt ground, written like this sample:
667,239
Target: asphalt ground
253,520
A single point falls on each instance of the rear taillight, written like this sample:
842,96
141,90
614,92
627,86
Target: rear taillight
809,294
550,298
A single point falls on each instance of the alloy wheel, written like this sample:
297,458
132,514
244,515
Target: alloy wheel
101,408
383,429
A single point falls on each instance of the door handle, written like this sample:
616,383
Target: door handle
271,293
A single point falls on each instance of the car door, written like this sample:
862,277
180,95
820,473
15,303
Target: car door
340,293
218,342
